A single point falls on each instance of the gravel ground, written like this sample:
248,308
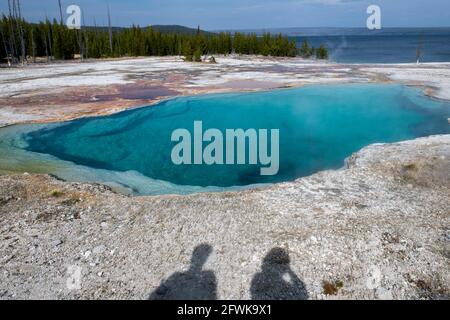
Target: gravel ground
70,90
378,229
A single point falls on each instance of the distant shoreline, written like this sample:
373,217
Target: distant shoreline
338,31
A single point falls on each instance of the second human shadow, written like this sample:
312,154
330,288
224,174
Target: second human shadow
277,281
194,284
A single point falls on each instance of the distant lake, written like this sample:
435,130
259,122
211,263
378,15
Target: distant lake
389,45
383,48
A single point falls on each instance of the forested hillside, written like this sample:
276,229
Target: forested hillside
23,41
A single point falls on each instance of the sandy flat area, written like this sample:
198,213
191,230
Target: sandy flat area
63,91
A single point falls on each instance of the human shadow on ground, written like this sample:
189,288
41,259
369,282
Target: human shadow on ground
277,281
194,284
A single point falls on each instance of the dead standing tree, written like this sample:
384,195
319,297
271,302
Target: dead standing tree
8,55
110,32
60,12
85,39
21,31
419,50
46,36
33,46
12,37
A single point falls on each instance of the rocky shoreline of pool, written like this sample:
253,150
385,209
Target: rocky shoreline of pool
376,229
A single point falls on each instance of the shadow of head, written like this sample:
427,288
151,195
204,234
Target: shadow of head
200,255
277,257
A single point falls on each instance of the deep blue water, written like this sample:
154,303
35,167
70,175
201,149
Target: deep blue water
386,46
319,127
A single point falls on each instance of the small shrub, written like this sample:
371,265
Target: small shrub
57,193
332,288
306,51
410,167
322,52
198,56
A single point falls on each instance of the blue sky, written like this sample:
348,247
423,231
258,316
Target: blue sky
248,14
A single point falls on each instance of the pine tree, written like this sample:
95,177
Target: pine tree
322,52
306,51
188,51
198,55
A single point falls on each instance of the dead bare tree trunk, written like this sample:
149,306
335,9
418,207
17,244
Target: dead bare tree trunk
60,12
46,47
49,38
84,38
21,32
5,46
12,33
419,50
79,36
33,45
110,32
95,37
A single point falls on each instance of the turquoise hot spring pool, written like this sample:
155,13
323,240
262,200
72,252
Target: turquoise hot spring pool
319,127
